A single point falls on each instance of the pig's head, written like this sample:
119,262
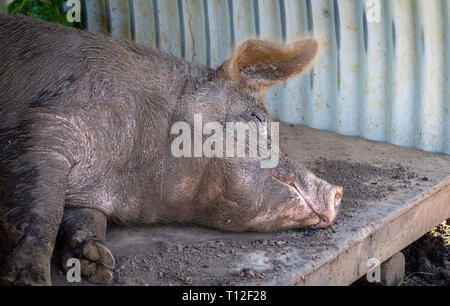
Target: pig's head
237,194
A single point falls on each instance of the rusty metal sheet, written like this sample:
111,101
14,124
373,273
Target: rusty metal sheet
270,27
431,75
143,22
402,95
194,23
96,19
348,29
446,136
219,31
170,27
374,77
119,21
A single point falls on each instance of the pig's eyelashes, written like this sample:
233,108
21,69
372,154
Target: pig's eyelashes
257,116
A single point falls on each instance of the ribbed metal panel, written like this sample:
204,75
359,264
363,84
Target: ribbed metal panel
385,81
3,4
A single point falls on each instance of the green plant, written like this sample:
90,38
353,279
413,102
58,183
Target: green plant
409,275
49,10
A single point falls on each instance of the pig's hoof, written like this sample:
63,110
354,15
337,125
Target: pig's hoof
96,260
24,273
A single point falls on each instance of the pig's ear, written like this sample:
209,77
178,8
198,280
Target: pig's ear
264,64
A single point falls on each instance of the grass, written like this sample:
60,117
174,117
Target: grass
404,279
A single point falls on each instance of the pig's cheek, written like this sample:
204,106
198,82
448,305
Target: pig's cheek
298,216
292,213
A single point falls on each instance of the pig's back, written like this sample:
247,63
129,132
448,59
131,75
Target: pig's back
40,61
35,56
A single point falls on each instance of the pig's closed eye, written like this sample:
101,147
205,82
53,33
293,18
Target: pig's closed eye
257,116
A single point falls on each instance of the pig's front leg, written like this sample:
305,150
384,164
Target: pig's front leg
83,234
32,204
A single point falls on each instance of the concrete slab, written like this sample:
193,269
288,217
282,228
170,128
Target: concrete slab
392,197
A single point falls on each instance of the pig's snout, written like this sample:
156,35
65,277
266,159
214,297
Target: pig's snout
317,201
332,196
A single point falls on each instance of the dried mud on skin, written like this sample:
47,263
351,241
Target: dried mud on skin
195,263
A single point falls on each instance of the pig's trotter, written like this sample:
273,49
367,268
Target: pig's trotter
31,208
23,268
83,231
95,258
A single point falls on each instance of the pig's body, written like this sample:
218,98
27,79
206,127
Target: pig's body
109,127
85,136
105,129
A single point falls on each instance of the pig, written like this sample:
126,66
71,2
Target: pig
85,137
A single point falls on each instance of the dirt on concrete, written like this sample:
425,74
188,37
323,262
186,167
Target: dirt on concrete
427,260
363,183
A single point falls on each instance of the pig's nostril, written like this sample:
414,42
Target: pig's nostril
337,196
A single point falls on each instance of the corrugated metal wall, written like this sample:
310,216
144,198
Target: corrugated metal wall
385,79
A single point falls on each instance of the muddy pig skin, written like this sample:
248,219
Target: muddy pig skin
85,137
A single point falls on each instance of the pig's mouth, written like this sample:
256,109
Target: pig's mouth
323,221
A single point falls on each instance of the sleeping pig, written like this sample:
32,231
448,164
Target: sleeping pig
86,136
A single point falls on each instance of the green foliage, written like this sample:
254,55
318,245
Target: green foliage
49,10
